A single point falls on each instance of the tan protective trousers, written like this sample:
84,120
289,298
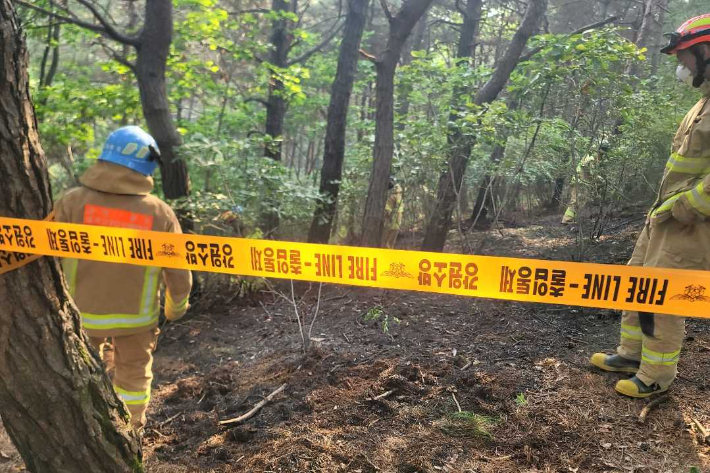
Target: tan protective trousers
390,237
657,342
571,213
129,362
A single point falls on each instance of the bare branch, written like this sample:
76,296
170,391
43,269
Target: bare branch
250,10
305,56
82,24
110,29
254,410
303,13
120,58
386,9
64,19
256,99
368,56
446,22
313,26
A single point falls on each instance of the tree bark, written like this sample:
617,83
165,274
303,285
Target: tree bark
276,105
401,26
645,31
656,53
460,147
334,152
56,401
404,90
153,50
46,76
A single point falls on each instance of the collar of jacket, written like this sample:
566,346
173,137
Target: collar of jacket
112,178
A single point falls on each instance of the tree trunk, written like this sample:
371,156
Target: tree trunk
404,90
645,31
276,105
334,152
280,40
46,76
151,63
363,113
656,54
56,401
401,26
460,147
484,197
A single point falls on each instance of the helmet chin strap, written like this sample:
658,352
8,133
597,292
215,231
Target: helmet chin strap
700,66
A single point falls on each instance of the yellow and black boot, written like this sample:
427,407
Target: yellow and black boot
634,387
614,363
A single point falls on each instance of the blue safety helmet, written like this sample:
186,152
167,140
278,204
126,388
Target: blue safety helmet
133,148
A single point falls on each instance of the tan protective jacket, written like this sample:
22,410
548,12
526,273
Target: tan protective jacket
686,180
121,299
394,210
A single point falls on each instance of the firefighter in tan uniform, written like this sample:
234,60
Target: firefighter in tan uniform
122,301
584,189
393,215
677,230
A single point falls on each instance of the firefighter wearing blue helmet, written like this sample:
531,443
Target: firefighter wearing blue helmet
121,302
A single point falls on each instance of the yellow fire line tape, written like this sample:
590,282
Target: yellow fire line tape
10,261
666,291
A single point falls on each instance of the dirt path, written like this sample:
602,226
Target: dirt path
519,373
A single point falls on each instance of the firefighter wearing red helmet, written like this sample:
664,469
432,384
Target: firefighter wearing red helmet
677,230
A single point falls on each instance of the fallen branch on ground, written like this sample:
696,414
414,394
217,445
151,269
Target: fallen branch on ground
166,422
383,395
456,401
703,431
256,409
650,406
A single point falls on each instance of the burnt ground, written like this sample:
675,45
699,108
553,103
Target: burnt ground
366,399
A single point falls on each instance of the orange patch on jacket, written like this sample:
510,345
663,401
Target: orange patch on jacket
110,217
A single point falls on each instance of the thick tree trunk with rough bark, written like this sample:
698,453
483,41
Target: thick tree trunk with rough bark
401,26
280,40
153,50
56,401
334,153
451,177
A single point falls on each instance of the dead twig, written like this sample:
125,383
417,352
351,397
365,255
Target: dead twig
170,419
492,459
346,337
465,367
458,406
315,314
383,395
265,309
256,408
650,406
701,429
160,434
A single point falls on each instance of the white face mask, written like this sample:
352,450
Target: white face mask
684,75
